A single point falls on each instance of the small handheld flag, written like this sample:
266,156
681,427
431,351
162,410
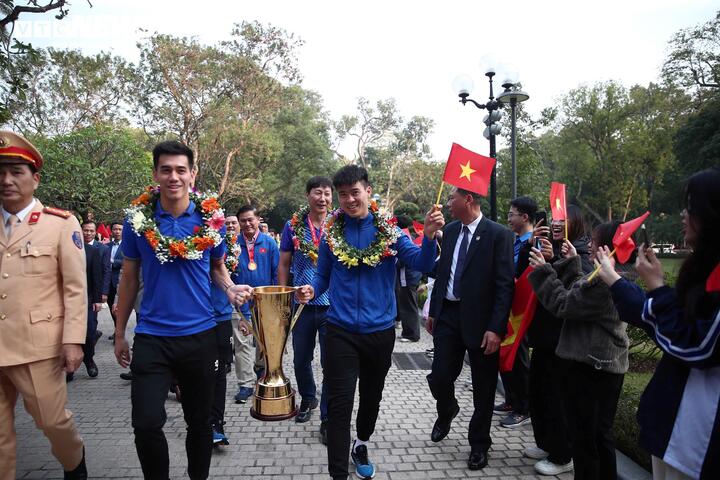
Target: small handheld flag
558,205
468,170
622,241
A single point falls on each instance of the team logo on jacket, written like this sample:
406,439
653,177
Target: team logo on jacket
77,240
263,250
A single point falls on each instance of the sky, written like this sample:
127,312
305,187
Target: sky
410,50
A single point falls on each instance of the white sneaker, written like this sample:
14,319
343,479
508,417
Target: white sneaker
546,467
536,453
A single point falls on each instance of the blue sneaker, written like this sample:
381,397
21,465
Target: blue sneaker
363,468
219,438
243,394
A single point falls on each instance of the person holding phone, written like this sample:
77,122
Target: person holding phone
548,372
594,344
678,413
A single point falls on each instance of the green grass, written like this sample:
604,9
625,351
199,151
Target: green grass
671,266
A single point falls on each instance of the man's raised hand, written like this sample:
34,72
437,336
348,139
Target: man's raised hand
434,221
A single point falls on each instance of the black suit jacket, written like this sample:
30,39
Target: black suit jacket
94,266
487,281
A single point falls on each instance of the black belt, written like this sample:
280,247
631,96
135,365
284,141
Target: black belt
454,303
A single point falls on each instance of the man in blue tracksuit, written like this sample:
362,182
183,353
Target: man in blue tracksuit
361,318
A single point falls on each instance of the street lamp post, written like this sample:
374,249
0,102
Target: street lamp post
513,96
463,85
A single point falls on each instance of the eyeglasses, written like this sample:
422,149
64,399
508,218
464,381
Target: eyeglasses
512,214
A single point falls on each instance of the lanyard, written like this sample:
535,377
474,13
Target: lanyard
315,238
251,251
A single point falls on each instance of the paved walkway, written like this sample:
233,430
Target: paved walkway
401,446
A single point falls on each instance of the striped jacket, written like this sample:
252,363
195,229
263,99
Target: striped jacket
678,413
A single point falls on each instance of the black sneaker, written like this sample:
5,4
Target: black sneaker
306,408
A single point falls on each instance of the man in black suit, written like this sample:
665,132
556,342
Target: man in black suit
116,261
94,271
469,310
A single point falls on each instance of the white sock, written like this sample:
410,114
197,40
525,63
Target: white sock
357,443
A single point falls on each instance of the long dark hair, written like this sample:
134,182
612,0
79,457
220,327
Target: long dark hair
702,201
576,227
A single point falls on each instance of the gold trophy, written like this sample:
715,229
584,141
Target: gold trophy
272,321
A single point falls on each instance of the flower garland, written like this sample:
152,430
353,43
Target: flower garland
298,227
141,217
386,235
232,255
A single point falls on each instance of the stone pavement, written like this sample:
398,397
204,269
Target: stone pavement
401,446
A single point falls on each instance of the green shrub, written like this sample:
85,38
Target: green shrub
625,429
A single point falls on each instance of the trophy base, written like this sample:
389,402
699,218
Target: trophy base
274,409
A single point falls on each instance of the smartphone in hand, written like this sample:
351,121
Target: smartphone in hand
644,234
541,216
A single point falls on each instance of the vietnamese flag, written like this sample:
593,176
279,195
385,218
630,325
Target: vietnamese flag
558,205
713,281
622,241
521,315
468,170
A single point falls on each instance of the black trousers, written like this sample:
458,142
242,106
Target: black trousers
350,357
447,365
223,336
156,361
408,313
517,381
548,377
89,346
112,292
591,399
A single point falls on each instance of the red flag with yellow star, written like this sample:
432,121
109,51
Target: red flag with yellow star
521,315
558,205
468,170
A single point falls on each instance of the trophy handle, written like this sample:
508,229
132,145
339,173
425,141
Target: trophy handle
254,324
296,316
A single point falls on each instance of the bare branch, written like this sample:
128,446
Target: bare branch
15,14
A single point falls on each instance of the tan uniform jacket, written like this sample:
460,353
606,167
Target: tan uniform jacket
43,288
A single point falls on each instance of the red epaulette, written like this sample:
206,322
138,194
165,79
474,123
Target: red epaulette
57,212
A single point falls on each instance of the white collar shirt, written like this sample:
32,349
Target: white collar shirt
472,226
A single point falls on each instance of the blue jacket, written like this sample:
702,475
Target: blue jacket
678,413
362,298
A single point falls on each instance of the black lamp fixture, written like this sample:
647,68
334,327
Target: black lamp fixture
463,85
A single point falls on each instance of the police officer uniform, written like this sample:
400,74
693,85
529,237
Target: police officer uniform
43,305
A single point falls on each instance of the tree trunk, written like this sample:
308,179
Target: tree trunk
627,205
226,171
